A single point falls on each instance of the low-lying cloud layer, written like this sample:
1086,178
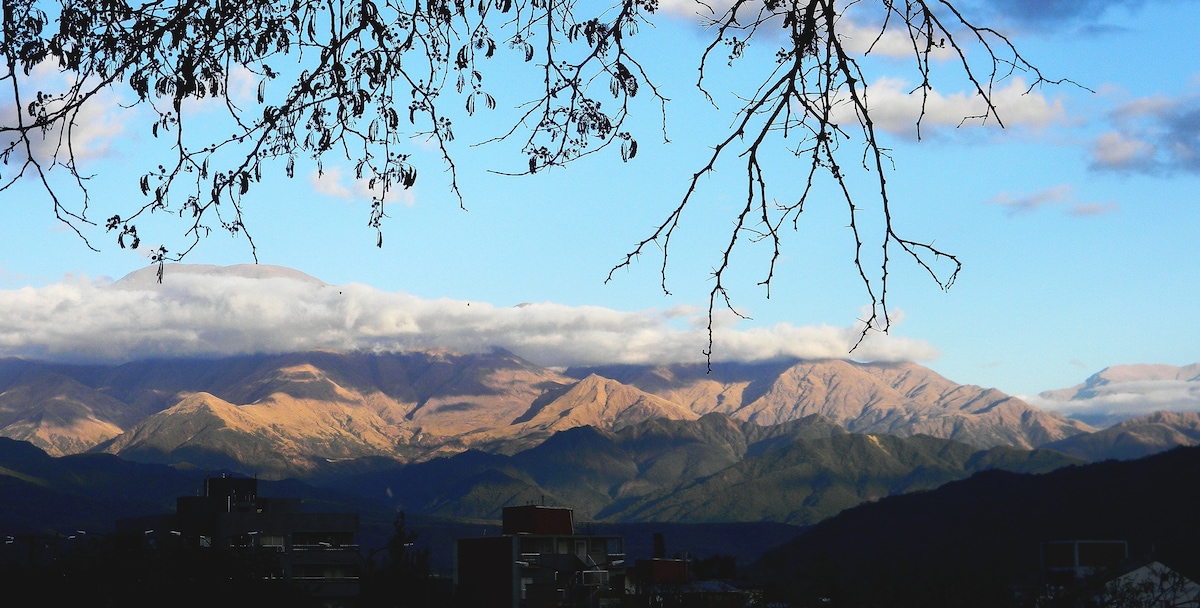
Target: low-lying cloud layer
209,311
1128,391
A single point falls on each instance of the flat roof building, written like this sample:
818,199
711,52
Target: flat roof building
275,535
539,562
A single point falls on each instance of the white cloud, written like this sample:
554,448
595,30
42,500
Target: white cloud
333,182
329,183
1152,135
1061,195
205,313
1115,151
1121,400
895,108
855,36
894,42
692,8
241,89
99,122
1121,392
242,85
98,125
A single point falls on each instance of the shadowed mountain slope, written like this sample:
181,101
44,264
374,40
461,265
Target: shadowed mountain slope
81,492
44,494
977,541
707,470
1134,438
55,412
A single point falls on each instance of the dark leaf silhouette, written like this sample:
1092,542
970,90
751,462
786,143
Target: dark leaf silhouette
361,60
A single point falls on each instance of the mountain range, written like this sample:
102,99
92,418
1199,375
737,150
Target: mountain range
462,435
1121,392
293,414
714,469
970,541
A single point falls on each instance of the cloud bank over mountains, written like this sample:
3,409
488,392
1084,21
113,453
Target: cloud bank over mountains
212,311
1124,391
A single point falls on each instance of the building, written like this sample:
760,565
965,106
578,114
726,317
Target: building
668,583
539,562
1100,573
273,535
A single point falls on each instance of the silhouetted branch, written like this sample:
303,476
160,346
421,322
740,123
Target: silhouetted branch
383,72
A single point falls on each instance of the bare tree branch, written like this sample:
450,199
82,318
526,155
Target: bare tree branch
354,66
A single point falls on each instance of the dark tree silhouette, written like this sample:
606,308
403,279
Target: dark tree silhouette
366,76
403,577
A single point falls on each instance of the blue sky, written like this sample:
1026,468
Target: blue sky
1076,224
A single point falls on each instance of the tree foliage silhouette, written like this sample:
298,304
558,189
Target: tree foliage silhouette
403,577
360,79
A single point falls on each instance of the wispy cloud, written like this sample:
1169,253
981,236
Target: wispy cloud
207,312
1050,14
92,130
1062,195
241,89
895,108
1157,135
895,41
859,27
894,104
693,8
334,182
